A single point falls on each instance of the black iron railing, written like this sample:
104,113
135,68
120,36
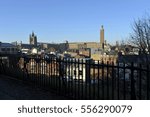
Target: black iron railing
81,78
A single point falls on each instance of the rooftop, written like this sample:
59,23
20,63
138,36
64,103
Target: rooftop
6,45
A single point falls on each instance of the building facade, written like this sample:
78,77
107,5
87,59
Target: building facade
33,39
7,48
81,45
102,37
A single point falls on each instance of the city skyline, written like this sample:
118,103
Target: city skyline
75,21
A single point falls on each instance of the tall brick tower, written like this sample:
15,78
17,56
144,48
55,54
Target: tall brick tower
102,37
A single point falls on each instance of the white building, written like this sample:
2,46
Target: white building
25,51
34,51
76,69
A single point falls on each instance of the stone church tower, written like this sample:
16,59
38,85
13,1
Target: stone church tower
33,39
102,37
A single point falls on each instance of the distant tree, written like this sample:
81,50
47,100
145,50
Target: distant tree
140,37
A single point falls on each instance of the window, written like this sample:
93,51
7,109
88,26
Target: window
8,49
3,49
12,49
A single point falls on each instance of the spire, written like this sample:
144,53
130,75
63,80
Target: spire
32,33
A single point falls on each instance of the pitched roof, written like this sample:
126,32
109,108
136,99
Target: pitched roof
6,45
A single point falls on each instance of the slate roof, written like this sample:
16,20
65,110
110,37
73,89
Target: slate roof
27,46
6,45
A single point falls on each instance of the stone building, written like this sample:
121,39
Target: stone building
7,48
79,45
33,39
102,37
105,58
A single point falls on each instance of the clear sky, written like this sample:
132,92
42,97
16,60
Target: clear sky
72,20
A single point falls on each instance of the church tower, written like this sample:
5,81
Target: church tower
102,37
33,39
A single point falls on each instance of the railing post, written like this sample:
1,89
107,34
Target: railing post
148,71
98,80
0,65
103,80
87,67
113,80
107,80
140,83
82,83
79,65
124,81
24,68
60,73
133,96
94,83
87,76
118,80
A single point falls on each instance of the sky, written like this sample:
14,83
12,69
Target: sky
55,21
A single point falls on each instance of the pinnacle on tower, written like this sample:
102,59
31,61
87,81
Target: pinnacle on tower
32,33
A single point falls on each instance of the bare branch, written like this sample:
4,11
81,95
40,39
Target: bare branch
141,35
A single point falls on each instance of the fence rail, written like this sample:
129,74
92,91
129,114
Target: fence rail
81,78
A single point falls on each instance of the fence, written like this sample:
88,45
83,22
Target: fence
81,78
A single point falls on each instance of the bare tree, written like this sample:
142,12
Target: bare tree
141,36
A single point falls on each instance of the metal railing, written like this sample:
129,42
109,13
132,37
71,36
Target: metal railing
81,78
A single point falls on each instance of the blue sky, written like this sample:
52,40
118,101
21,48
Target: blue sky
72,20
